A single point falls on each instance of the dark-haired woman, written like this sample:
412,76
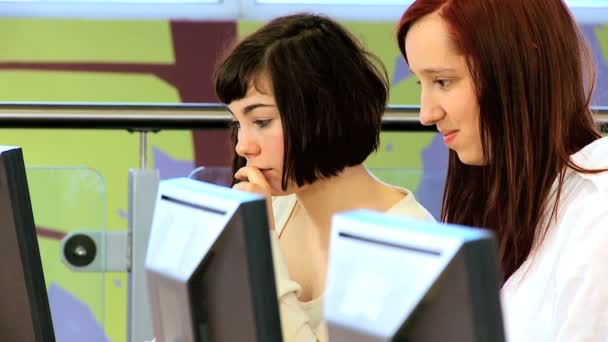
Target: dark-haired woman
307,102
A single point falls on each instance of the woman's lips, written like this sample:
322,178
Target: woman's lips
449,136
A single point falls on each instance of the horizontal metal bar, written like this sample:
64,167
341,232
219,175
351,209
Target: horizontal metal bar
139,116
132,116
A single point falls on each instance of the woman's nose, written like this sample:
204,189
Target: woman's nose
246,146
430,112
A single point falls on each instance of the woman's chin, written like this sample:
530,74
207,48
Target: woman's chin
469,159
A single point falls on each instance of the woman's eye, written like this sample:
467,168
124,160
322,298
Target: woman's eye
262,123
443,83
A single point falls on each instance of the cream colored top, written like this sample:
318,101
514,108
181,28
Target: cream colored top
560,293
303,321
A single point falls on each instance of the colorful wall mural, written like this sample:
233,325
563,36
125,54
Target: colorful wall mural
78,178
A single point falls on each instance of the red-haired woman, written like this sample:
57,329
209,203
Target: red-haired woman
504,81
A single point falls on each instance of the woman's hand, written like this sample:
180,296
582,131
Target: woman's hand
252,180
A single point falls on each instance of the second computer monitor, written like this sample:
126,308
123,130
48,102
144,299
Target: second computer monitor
395,279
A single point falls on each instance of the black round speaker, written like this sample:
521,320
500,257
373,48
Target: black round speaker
80,250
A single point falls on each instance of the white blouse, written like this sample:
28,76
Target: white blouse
560,293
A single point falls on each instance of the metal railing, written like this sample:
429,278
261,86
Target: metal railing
138,116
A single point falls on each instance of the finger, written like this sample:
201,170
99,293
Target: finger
253,175
244,186
245,171
241,174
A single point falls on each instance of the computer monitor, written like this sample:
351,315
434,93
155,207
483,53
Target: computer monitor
396,279
24,307
209,265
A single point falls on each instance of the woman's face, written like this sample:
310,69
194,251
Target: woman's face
448,98
260,134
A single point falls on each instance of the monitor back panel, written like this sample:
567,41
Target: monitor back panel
209,266
24,308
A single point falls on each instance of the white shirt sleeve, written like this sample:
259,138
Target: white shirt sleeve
581,310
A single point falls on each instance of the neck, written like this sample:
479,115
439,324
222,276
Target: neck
353,188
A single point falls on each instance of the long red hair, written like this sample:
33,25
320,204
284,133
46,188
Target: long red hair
533,80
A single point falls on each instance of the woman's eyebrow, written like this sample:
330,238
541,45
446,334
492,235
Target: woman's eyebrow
251,107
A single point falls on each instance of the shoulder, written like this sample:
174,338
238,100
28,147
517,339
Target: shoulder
593,157
282,206
584,197
584,226
581,276
587,215
410,207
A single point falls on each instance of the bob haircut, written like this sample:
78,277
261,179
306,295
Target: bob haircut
330,92
529,63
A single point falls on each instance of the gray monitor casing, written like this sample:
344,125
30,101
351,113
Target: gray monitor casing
396,279
209,265
25,314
